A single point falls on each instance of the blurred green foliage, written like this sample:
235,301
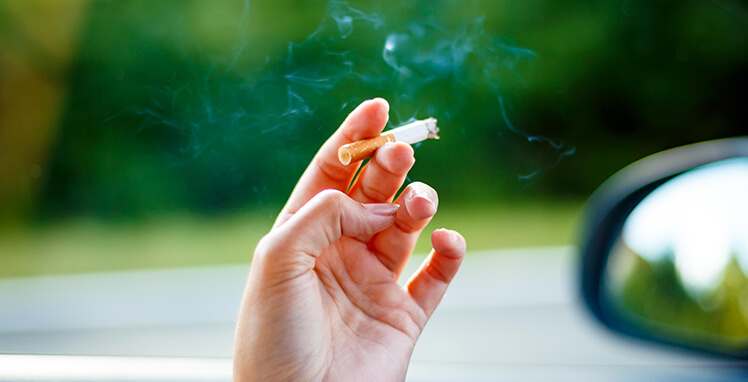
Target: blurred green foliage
186,240
212,106
654,300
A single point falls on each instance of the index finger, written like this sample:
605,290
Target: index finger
326,172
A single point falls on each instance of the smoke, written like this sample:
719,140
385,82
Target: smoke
425,61
560,151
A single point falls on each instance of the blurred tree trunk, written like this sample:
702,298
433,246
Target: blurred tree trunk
38,41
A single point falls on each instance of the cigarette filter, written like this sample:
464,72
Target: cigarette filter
411,133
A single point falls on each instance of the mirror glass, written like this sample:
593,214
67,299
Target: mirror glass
679,267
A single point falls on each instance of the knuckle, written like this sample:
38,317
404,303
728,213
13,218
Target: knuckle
330,197
406,226
268,244
333,172
373,193
437,273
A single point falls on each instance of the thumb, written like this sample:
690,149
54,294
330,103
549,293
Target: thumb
326,218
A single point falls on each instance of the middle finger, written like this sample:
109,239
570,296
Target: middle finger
384,174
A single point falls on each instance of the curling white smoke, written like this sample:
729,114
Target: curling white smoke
425,64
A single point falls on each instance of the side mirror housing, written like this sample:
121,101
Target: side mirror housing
664,248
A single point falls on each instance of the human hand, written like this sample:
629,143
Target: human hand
322,300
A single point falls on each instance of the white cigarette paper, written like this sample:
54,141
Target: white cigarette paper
411,133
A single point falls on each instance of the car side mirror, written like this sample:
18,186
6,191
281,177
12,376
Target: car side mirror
665,248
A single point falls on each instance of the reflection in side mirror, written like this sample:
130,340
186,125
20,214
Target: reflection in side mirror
679,265
665,248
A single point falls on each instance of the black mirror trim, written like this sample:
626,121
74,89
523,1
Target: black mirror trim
604,213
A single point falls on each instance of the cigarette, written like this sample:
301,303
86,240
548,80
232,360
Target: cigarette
411,133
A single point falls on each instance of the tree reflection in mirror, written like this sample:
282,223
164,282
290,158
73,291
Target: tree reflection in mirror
679,267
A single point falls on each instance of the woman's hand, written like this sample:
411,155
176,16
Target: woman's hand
322,300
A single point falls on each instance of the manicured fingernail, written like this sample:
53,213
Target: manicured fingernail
382,209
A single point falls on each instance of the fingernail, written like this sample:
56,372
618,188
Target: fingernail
452,234
456,236
423,195
382,209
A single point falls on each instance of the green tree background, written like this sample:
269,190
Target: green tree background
653,299
213,108
192,105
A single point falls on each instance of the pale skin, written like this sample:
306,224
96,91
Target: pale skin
322,302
